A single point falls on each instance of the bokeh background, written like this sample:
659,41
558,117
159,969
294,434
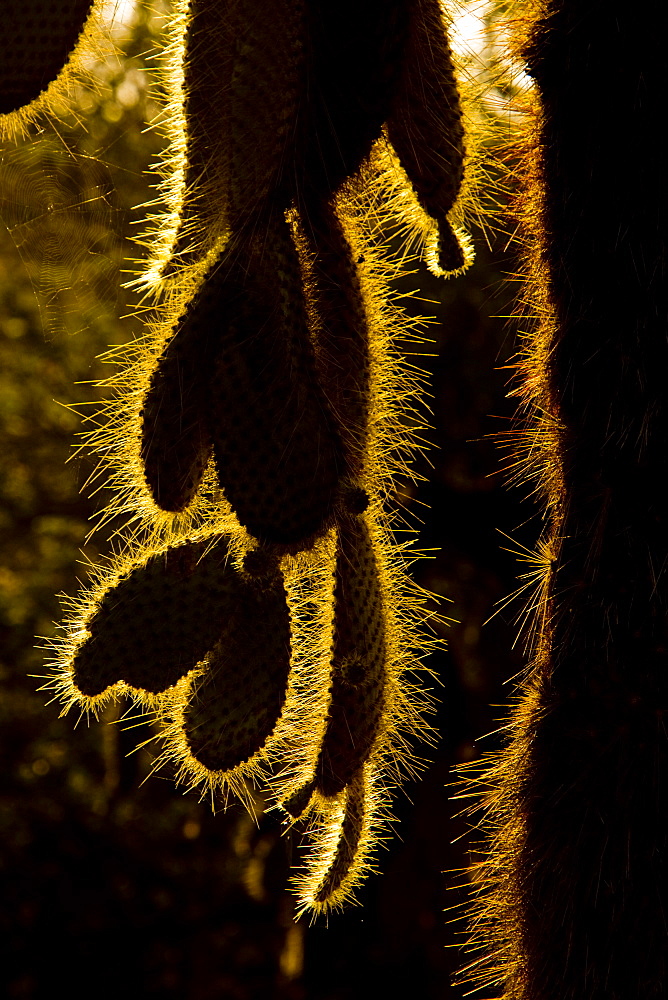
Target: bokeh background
111,880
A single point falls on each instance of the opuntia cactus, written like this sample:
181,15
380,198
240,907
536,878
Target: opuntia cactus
240,111
257,427
425,126
158,620
233,707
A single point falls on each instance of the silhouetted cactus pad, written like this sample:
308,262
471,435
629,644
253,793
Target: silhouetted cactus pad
158,620
425,126
277,454
341,323
176,444
243,70
359,660
353,64
234,706
352,830
450,251
35,43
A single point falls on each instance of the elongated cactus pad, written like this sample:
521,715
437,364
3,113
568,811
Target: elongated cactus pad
340,837
425,125
37,39
352,829
176,442
338,312
359,669
234,706
354,58
243,74
277,453
157,621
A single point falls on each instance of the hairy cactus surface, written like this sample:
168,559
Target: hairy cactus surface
359,674
234,706
572,891
352,829
425,125
240,116
156,623
259,605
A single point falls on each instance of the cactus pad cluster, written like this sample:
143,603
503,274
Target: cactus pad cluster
260,606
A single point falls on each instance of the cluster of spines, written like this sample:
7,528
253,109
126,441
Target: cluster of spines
266,410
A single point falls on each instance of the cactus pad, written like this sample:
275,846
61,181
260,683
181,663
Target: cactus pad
359,660
352,829
158,620
234,706
276,451
37,39
242,76
176,443
425,126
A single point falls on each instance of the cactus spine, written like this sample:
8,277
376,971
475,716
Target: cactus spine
256,429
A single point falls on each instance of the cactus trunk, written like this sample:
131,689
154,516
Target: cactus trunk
578,862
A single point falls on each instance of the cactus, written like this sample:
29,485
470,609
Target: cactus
359,672
237,377
425,125
156,623
176,440
276,450
571,893
234,707
339,838
352,829
37,40
261,607
240,114
339,315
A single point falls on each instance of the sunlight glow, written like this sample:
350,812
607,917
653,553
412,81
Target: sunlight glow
469,31
119,15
